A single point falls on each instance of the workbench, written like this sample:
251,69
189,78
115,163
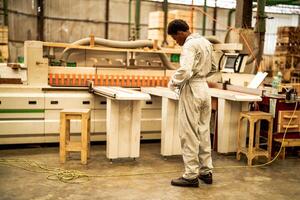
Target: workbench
123,121
230,104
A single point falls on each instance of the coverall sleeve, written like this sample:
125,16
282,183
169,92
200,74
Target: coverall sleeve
184,72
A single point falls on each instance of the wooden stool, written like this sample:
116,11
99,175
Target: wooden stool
65,145
254,117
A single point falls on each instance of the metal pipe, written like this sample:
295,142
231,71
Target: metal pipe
165,9
192,16
243,16
40,20
215,17
129,19
260,30
118,44
231,11
204,18
106,30
5,9
137,18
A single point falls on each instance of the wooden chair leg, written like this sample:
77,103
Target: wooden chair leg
283,153
250,161
270,137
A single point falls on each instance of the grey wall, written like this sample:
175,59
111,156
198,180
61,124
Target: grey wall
70,20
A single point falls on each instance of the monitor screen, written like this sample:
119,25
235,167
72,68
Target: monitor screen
230,61
234,63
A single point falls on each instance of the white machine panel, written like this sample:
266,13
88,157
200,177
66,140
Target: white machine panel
155,102
12,116
65,100
52,118
23,140
99,120
99,102
18,127
22,101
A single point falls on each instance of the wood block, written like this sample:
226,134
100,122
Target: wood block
4,51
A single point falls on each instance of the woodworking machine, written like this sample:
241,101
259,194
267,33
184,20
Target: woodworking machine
29,112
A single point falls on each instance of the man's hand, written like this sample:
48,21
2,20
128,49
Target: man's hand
171,85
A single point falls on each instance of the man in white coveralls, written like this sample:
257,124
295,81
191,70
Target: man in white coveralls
194,104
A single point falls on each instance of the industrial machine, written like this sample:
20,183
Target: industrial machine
53,80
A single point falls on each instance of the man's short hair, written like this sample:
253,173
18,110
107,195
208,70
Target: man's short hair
177,25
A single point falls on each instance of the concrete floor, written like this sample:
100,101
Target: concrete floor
281,180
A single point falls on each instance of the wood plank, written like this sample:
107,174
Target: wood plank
161,91
232,95
112,126
120,93
75,111
170,141
135,130
124,131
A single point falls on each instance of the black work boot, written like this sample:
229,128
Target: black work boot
207,178
183,182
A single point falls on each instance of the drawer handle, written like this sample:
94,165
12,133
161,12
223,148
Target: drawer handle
103,102
290,126
54,102
290,116
148,102
85,102
31,102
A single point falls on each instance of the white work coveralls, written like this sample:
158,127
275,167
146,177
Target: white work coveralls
194,105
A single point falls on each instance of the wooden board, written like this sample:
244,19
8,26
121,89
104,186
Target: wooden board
233,96
120,93
161,91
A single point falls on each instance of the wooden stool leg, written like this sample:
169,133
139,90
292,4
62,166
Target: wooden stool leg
238,155
251,138
283,152
270,137
68,129
257,134
84,139
89,138
62,139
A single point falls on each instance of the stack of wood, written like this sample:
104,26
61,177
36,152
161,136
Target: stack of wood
287,52
3,43
186,16
156,27
156,24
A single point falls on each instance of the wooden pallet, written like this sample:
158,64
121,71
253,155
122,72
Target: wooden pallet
156,19
4,52
3,35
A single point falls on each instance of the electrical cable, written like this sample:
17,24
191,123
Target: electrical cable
73,176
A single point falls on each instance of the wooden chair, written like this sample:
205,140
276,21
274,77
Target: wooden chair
292,138
65,145
254,118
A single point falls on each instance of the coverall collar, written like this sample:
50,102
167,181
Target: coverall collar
191,36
